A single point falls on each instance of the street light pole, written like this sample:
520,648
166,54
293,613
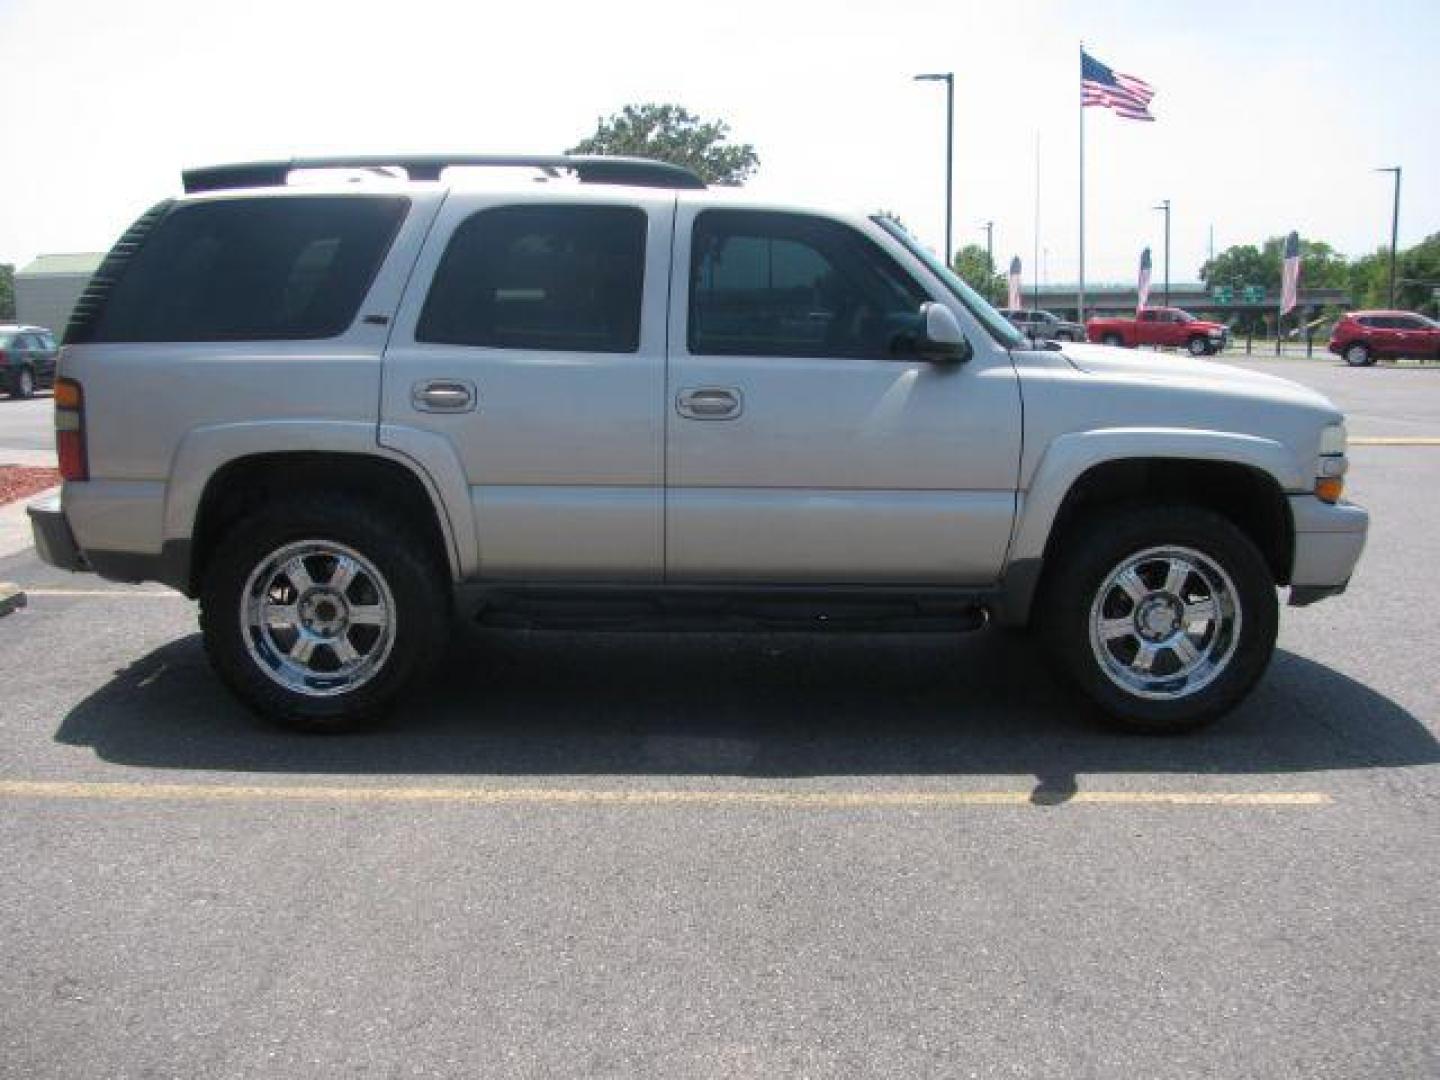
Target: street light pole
1165,206
989,228
1394,228
948,78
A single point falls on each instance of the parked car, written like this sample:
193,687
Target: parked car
27,359
1362,337
339,413
1041,325
1160,326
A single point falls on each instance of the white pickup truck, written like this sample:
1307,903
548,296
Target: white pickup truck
340,412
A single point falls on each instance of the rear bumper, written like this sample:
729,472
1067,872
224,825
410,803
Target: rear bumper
54,541
1328,541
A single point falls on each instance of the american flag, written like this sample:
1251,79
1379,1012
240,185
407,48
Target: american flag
1144,289
1014,283
1127,95
1290,277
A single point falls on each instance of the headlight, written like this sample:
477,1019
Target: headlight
1333,440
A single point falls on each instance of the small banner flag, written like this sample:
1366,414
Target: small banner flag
1127,95
1290,274
1014,301
1143,290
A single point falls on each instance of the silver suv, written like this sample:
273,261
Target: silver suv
1043,325
340,413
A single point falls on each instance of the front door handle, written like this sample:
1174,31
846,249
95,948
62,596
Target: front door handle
443,395
710,402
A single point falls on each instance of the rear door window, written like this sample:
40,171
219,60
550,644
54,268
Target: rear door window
545,278
243,269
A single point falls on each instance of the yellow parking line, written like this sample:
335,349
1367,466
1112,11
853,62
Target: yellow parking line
1394,440
822,800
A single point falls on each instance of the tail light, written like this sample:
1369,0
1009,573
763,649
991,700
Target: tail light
70,430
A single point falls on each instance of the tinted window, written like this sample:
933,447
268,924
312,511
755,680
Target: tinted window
561,278
765,284
252,269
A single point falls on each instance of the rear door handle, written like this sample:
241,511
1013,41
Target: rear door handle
710,402
443,395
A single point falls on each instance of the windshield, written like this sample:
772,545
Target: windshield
1184,316
1000,328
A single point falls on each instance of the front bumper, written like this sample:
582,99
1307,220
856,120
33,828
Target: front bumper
54,541
1328,541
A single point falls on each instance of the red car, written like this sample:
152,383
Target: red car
1362,337
1160,326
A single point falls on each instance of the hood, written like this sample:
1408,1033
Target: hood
1184,370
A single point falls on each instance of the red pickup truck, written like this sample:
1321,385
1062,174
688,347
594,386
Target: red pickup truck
1160,326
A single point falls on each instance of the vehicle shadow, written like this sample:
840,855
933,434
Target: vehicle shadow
754,706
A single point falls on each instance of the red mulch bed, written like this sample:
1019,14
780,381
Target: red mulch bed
18,481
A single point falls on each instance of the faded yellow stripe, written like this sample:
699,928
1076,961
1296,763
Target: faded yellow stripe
120,594
39,789
1394,440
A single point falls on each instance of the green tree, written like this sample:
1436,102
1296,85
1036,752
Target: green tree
7,292
973,265
674,134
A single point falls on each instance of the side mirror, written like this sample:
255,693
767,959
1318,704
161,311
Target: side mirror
942,341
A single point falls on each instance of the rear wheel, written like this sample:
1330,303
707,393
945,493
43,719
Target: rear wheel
1113,339
319,613
1165,617
1358,355
22,383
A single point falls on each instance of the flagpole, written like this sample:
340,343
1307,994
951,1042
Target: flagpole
1080,312
1035,255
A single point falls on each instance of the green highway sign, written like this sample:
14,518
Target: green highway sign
1223,294
1253,294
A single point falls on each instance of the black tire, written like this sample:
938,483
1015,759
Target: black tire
22,383
1064,335
417,587
1095,547
1358,354
1114,340
1198,346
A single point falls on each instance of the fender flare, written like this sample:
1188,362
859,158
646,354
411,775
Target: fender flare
204,451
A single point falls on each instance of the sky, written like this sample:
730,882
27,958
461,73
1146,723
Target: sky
1270,116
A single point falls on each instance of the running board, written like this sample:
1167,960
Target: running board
703,608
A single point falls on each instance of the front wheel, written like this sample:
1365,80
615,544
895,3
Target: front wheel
1165,617
319,613
1358,355
1199,346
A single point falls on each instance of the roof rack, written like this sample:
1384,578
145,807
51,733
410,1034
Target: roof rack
589,168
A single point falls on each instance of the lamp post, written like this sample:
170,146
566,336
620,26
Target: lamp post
1165,206
1394,228
989,228
948,78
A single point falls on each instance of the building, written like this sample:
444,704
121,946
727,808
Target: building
46,288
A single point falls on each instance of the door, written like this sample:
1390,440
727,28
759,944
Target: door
532,338
801,447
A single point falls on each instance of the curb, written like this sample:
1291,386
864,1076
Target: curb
12,598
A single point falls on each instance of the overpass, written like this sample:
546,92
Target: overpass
1192,296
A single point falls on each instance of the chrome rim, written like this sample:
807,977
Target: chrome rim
1165,623
1356,355
318,618
1197,347
27,383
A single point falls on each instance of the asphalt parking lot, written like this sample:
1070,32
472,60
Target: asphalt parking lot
721,856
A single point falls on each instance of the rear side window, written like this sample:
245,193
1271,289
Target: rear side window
252,269
554,278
